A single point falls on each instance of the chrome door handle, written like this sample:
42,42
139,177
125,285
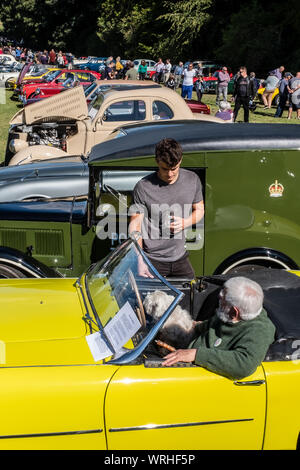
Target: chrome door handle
250,382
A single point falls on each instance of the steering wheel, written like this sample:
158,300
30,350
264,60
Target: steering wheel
140,308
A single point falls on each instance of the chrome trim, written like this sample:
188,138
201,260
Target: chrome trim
250,382
47,434
254,258
133,354
149,427
19,265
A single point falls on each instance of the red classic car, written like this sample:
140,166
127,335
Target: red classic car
57,81
198,107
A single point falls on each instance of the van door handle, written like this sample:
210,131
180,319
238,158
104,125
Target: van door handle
252,383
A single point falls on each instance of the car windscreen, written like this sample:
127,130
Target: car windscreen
90,88
117,288
95,105
52,75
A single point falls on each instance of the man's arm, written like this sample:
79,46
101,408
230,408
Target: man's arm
135,225
197,214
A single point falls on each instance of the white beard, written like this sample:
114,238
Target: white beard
223,314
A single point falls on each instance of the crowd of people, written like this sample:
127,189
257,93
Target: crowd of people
24,54
190,77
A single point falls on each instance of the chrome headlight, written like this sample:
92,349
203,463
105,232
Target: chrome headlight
17,144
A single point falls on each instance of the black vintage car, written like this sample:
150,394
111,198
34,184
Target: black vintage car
249,176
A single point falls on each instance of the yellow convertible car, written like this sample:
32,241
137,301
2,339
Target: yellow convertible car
81,367
275,97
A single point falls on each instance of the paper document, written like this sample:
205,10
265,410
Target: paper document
119,330
122,327
98,346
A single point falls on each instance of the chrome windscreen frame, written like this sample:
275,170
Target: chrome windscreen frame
131,355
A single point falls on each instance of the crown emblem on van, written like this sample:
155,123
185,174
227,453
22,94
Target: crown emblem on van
276,189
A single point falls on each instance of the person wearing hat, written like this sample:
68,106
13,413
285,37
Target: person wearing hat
283,94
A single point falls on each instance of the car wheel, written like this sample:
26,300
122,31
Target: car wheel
246,268
276,100
8,272
9,82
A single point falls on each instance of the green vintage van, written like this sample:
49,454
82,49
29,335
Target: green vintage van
250,177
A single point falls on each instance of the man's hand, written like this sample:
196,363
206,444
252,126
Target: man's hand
143,269
177,224
181,355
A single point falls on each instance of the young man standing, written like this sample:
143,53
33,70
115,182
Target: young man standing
165,204
188,82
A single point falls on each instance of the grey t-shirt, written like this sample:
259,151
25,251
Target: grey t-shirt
293,84
159,201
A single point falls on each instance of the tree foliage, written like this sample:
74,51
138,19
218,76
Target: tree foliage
260,34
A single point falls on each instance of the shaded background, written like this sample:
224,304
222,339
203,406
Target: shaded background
259,34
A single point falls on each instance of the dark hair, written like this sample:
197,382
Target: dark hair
169,151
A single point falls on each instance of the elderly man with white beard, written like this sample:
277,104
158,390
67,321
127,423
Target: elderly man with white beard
235,340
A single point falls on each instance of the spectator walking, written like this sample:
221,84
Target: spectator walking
167,71
109,71
52,57
119,68
159,68
283,94
188,82
255,83
222,85
142,70
178,72
60,59
271,84
199,87
131,73
241,93
44,57
294,90
18,53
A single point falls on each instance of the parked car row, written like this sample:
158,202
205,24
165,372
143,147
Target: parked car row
77,127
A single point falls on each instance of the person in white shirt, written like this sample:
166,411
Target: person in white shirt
167,71
159,69
188,82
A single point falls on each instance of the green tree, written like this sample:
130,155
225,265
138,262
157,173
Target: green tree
185,19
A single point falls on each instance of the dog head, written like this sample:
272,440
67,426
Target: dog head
156,303
179,329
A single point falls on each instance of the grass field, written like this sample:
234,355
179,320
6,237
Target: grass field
260,115
7,110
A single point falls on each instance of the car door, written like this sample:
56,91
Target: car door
184,408
55,407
